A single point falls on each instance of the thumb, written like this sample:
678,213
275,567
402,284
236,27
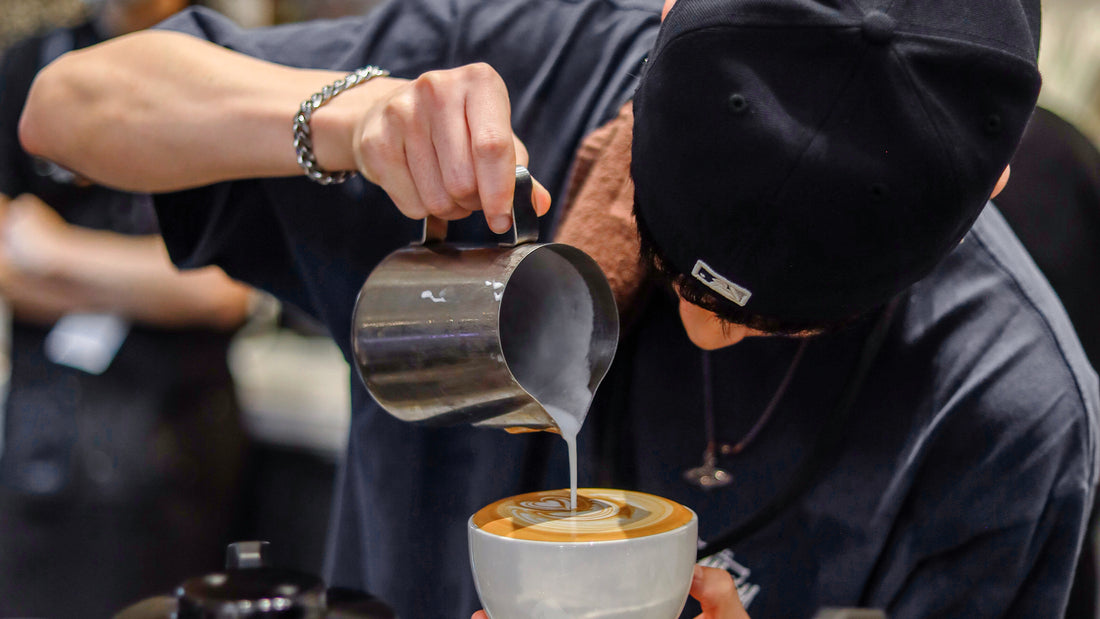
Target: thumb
717,594
540,197
480,615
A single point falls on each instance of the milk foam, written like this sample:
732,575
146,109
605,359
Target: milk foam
600,515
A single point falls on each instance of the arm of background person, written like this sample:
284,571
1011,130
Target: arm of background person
159,111
49,268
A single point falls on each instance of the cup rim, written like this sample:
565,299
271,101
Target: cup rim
693,521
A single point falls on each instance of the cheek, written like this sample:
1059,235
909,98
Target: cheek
706,332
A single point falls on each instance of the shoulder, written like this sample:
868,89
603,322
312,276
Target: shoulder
411,36
1023,290
982,429
341,43
1006,369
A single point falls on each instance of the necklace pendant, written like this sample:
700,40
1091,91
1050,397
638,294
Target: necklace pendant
708,475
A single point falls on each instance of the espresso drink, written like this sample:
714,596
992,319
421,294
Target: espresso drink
600,515
618,555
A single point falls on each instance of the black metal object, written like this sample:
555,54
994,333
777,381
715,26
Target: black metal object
249,587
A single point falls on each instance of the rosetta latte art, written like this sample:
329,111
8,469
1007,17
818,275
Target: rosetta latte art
601,515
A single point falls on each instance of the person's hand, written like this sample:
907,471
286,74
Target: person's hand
5,267
32,235
717,594
712,587
442,144
25,286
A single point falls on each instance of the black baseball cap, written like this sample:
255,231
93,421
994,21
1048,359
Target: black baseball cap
809,159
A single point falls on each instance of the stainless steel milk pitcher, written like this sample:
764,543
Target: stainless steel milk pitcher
492,336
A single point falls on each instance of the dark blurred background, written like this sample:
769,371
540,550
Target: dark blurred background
117,484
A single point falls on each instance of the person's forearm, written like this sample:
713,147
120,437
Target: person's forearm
158,111
95,271
33,300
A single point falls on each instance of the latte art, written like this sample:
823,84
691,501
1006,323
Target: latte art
601,515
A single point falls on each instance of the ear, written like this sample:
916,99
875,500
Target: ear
665,9
1001,182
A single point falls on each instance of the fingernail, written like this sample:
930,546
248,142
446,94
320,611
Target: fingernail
542,198
501,223
697,574
547,201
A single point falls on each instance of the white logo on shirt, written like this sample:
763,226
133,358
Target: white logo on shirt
725,561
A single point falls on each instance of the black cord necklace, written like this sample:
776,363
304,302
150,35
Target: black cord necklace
823,450
708,474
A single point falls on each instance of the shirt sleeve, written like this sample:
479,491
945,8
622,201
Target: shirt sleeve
233,226
241,226
1011,555
1004,471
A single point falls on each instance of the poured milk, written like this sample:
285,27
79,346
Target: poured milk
570,425
546,326
567,398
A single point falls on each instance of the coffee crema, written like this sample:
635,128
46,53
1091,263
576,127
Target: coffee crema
601,515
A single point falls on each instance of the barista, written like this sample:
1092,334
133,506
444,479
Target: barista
799,168
121,436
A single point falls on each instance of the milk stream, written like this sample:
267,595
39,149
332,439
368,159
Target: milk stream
548,321
570,425
567,397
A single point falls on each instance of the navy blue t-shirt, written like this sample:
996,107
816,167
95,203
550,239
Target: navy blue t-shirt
964,480
965,477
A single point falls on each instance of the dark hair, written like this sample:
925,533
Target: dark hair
696,293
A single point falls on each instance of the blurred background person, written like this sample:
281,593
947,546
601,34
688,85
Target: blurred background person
122,447
1052,202
1069,60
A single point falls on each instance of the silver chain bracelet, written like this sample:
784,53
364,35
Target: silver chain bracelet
303,142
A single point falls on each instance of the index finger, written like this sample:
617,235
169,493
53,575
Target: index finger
489,117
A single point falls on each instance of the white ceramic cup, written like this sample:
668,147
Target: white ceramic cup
621,555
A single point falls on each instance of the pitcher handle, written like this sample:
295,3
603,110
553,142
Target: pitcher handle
525,222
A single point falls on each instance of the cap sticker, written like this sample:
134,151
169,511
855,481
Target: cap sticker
719,284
